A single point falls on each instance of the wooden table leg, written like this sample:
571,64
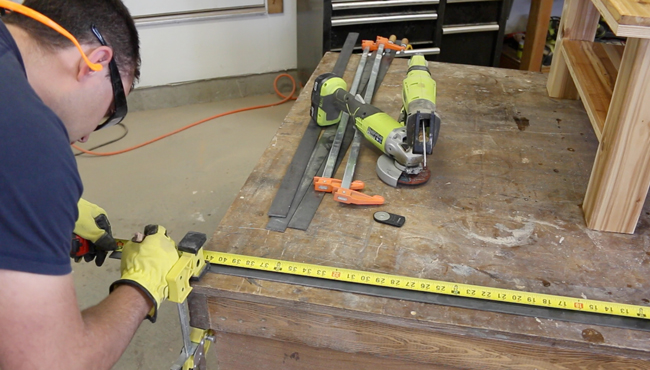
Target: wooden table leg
536,31
621,174
579,22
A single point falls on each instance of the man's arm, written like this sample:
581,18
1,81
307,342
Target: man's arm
42,327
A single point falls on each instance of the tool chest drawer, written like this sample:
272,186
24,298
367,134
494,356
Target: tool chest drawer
471,12
455,31
472,31
474,48
417,19
420,32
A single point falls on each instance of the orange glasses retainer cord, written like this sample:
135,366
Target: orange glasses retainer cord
18,8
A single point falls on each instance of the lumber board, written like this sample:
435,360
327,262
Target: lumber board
594,73
275,6
363,335
621,173
502,209
536,31
626,18
239,352
579,21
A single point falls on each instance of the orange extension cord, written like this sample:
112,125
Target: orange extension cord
275,87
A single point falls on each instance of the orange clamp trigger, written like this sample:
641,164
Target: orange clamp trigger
357,185
371,45
348,196
389,45
329,185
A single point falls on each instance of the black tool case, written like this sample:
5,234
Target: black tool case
453,31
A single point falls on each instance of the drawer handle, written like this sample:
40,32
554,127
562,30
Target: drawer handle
378,4
423,51
470,28
384,19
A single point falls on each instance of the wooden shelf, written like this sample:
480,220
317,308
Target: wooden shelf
615,90
594,67
626,18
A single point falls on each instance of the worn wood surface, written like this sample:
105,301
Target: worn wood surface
361,333
502,209
249,352
621,175
594,68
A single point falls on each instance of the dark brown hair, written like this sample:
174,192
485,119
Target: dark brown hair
110,17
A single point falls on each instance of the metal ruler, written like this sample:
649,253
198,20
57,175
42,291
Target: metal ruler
517,302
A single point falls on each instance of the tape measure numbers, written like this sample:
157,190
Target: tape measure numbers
429,286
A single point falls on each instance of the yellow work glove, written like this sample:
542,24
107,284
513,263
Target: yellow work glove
146,264
93,226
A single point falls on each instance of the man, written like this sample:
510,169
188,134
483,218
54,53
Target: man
50,97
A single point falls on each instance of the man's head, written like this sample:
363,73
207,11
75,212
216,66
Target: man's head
82,103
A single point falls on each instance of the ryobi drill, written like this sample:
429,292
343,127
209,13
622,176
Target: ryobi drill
405,143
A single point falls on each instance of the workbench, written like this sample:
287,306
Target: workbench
502,209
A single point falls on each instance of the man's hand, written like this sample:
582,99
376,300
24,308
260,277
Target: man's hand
93,226
145,265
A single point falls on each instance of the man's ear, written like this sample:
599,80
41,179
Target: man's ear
100,55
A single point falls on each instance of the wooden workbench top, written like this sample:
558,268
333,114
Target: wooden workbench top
502,209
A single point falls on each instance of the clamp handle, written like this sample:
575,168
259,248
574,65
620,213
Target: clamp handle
190,265
329,185
348,196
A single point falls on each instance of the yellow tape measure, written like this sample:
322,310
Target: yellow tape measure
426,285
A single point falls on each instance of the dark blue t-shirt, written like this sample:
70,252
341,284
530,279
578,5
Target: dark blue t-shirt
39,182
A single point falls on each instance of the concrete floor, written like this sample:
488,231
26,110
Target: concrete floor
185,182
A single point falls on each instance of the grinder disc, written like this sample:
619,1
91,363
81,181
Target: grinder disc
418,179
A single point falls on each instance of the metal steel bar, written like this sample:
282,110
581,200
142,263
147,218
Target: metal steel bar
356,142
423,51
346,52
448,30
184,318
309,205
378,4
384,19
439,299
345,117
188,347
292,179
316,163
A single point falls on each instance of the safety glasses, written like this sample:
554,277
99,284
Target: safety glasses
120,109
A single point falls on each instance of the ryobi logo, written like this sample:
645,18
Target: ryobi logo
378,138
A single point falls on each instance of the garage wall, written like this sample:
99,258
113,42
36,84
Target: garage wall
207,49
519,15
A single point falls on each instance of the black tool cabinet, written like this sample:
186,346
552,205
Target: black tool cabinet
453,31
